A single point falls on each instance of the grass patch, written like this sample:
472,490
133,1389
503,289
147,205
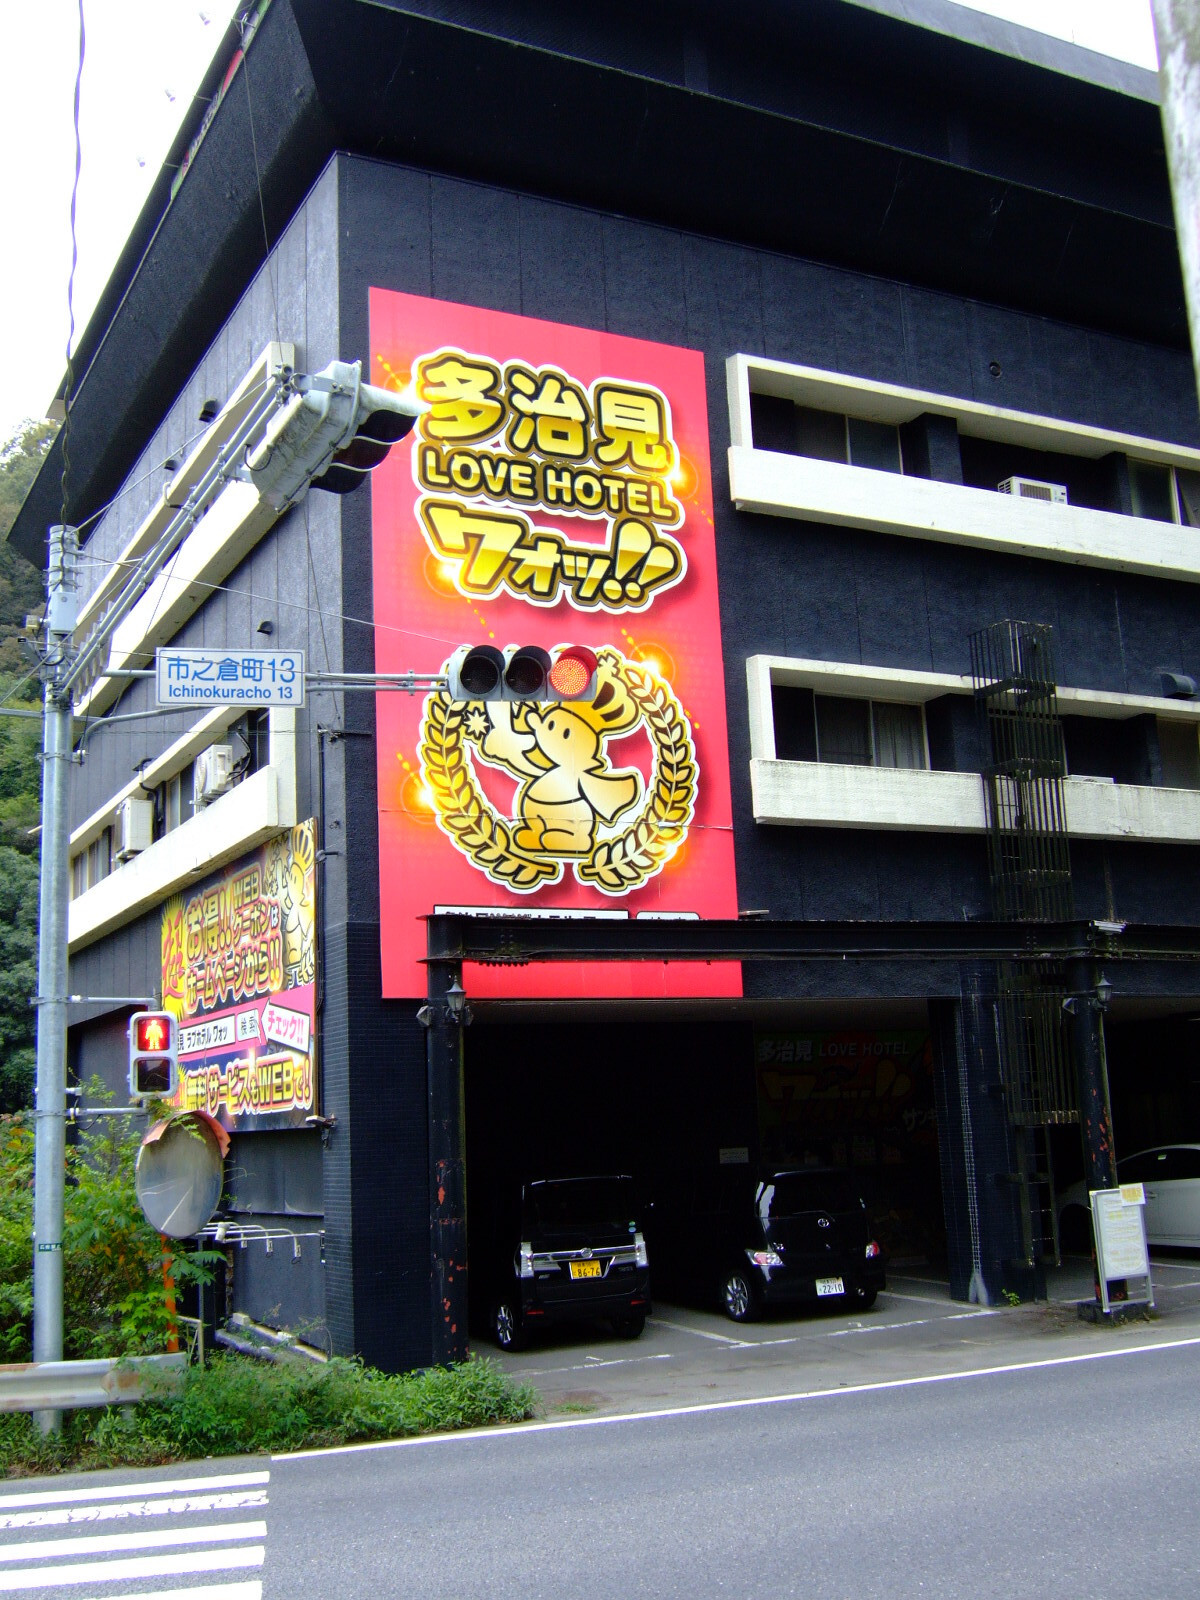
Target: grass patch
239,1406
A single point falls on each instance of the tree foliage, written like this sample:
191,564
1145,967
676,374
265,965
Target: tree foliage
21,592
115,1297
21,588
18,977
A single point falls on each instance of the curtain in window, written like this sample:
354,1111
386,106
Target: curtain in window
899,736
843,730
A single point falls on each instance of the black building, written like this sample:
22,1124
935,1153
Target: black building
822,278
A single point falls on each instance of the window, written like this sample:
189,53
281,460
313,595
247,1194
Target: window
178,798
799,430
1140,1169
873,444
846,731
92,864
1151,491
899,735
1179,751
257,736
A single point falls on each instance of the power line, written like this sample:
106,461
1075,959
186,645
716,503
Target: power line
68,392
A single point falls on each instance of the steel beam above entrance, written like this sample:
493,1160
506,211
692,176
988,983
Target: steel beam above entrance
501,940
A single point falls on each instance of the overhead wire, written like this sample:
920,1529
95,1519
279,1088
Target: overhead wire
323,615
68,391
245,33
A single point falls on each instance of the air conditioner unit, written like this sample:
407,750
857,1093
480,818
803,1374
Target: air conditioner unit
1035,489
135,826
213,773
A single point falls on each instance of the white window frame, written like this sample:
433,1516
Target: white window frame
824,794
262,805
806,489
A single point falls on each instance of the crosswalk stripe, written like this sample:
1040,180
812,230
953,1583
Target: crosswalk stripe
184,1505
207,1591
115,1491
110,1543
137,1567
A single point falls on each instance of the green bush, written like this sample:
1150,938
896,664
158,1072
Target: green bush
238,1406
114,1295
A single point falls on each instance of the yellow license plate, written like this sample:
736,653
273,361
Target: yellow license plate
585,1269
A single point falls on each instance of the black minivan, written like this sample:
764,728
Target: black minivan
795,1235
566,1249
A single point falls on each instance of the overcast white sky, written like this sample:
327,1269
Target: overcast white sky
142,65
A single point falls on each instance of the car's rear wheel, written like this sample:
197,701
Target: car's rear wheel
506,1326
739,1296
861,1299
629,1327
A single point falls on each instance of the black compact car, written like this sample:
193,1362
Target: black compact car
566,1249
796,1235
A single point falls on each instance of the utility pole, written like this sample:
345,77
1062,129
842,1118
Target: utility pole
1177,32
49,1156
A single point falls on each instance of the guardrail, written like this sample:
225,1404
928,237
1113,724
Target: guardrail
72,1385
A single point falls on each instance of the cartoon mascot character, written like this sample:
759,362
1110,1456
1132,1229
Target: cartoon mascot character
568,787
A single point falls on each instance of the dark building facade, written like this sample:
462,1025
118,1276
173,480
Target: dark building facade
917,257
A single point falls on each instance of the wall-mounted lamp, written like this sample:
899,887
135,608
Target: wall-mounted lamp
456,1009
209,410
1104,991
266,627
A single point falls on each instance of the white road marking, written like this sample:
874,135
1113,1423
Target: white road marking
108,1543
136,1567
593,1364
880,1327
207,1591
115,1491
700,1333
919,1299
64,1516
525,1428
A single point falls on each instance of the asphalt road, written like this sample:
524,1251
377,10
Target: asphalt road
1068,1470
1077,1479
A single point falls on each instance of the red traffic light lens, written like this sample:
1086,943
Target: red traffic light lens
572,672
152,1034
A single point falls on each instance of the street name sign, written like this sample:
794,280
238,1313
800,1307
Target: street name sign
188,677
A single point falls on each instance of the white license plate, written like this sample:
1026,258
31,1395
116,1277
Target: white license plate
830,1286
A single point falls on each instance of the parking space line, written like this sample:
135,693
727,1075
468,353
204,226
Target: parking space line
918,1299
701,1333
880,1327
593,1364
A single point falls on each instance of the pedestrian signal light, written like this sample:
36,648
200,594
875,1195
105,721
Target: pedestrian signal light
153,1058
522,672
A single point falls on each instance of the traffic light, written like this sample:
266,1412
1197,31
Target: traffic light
522,672
333,431
153,1054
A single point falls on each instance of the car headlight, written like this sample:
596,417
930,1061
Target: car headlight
765,1258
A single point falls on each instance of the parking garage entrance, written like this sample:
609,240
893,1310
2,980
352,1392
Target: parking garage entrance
680,1104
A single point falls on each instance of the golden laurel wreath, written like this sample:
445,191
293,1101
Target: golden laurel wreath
616,866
